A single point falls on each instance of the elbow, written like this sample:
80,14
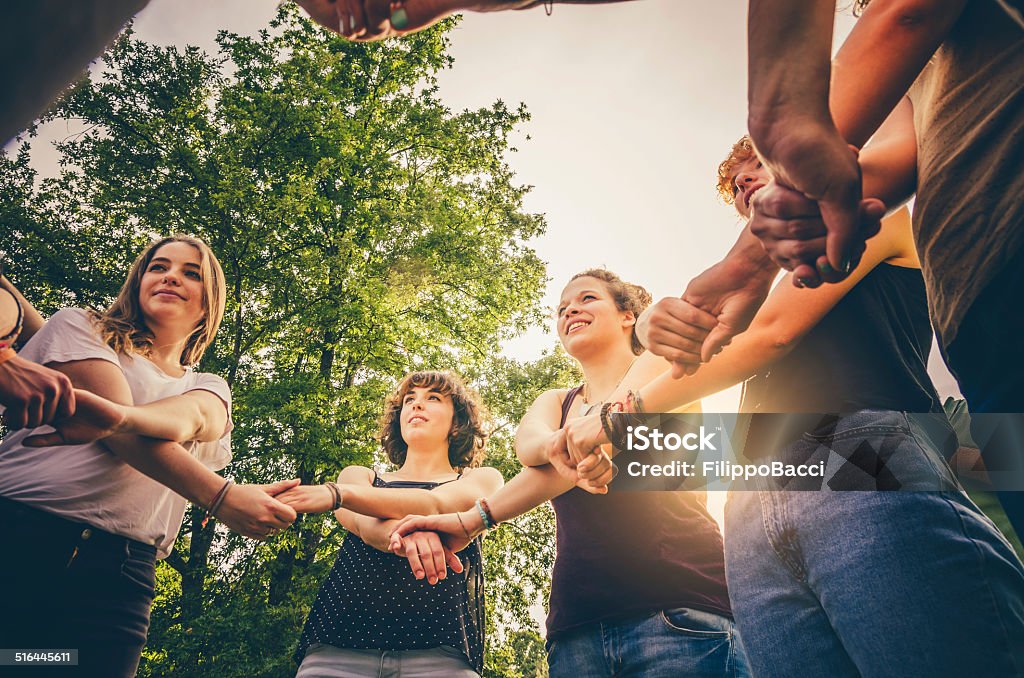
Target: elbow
909,17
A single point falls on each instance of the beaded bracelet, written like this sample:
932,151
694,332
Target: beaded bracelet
487,509
17,323
484,518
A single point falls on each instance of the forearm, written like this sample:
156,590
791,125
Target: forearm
169,464
179,418
532,445
748,354
388,503
373,531
529,489
789,45
882,57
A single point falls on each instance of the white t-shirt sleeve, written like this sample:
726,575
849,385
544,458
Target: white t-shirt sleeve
215,454
67,336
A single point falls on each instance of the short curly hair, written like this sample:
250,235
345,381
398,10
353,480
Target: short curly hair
627,297
741,151
467,438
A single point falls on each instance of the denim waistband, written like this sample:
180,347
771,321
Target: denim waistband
20,517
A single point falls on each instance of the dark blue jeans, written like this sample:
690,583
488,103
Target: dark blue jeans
908,582
70,586
675,643
987,359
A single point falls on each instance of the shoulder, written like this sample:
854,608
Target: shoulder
552,397
70,317
356,475
211,382
67,336
486,477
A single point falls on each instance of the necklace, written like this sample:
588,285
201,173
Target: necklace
588,406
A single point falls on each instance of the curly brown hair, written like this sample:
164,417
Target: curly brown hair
741,151
467,438
627,297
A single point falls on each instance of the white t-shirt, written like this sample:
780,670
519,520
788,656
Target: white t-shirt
86,483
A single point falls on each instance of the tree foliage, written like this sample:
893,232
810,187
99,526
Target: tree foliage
365,230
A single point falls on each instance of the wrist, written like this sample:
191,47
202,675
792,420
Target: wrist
748,259
473,521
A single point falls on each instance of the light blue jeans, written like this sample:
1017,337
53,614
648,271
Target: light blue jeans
676,643
327,661
873,583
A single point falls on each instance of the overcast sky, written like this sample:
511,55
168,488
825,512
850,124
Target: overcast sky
633,105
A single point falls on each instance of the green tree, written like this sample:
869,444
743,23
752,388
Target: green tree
365,230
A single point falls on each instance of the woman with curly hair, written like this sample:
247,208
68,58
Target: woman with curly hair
371,614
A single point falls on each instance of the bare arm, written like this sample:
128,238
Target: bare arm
247,508
195,415
882,57
787,315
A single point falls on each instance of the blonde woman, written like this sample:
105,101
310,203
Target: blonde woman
85,522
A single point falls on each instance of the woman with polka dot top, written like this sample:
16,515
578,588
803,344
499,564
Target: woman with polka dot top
372,615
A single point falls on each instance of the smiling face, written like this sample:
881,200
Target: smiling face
171,291
750,177
588,316
426,416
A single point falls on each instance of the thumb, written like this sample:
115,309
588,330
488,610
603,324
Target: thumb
412,15
274,489
716,340
44,440
842,221
454,562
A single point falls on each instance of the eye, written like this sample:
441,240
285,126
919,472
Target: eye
589,297
156,267
434,396
561,310
194,275
759,164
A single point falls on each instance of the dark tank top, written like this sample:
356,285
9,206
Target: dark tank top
370,600
631,553
869,352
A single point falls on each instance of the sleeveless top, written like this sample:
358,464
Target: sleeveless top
625,554
371,600
869,352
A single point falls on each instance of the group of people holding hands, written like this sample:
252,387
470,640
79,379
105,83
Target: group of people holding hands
832,582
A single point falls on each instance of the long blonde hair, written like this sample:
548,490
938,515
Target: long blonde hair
123,327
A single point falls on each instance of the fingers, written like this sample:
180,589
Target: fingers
44,440
66,401
276,488
716,341
408,525
413,556
453,561
283,514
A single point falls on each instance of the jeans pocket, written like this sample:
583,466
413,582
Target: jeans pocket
697,623
138,570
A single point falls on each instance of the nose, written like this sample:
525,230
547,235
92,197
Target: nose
744,178
171,276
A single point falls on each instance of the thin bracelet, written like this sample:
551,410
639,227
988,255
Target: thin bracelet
336,491
21,317
464,530
217,501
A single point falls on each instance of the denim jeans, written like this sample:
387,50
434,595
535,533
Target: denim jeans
987,358
70,586
327,661
676,643
874,583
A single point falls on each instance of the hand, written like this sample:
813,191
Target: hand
252,510
33,395
794,234
366,20
810,156
675,330
455,534
95,418
427,556
308,498
731,290
591,474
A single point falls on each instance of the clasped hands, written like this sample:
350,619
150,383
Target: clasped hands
367,20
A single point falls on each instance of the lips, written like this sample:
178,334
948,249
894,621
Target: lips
575,326
168,293
749,194
417,417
